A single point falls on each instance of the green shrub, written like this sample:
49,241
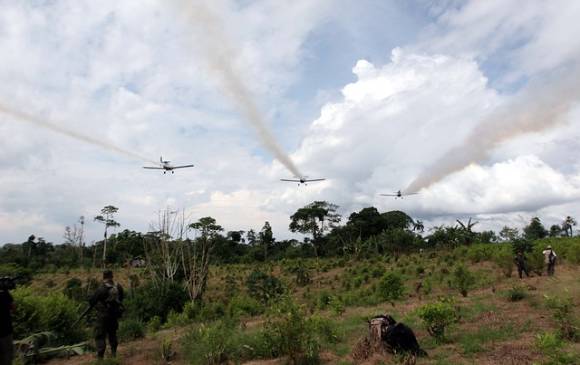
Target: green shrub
563,311
131,329
264,287
74,289
390,287
148,301
548,343
53,312
154,324
289,332
516,293
437,317
175,319
221,342
505,260
244,305
463,280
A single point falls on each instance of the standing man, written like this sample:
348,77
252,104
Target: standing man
521,263
550,260
108,302
6,307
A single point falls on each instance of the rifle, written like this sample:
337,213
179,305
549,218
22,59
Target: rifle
82,315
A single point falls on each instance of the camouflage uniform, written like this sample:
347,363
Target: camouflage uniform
107,300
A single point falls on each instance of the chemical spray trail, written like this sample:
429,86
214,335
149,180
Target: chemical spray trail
541,106
25,117
220,54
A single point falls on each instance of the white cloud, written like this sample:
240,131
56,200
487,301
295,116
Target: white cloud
122,71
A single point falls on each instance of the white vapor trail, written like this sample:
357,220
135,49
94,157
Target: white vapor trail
541,106
34,120
220,56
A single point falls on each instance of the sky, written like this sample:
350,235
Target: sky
470,103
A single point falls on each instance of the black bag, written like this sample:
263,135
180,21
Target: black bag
113,303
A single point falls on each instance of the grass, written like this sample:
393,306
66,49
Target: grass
488,323
474,342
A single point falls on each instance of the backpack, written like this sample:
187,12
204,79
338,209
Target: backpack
113,303
551,257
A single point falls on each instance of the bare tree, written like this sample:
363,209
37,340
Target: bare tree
75,237
164,246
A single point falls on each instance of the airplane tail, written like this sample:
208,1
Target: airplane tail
161,159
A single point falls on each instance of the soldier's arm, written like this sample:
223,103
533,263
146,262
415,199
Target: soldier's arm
99,295
121,293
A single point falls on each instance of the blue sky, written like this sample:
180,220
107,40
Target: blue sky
370,94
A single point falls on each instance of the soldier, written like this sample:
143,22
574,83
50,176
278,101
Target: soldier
521,264
6,307
108,303
550,259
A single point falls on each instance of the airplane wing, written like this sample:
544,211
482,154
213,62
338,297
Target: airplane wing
309,180
410,194
388,194
153,168
290,180
181,167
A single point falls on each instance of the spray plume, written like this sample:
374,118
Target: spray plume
25,117
220,57
541,106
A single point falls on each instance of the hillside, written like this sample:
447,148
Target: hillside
503,320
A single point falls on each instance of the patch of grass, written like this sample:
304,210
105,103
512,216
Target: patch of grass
474,342
516,293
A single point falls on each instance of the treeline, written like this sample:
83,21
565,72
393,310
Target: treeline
363,234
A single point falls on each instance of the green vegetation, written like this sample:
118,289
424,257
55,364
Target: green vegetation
240,296
437,317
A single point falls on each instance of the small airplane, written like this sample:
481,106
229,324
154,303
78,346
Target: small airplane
398,194
302,180
166,166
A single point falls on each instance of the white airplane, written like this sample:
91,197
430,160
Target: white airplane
166,166
398,194
302,180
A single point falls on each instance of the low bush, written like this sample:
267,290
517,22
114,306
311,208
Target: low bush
505,260
563,311
53,312
463,280
289,332
390,287
516,293
149,300
244,305
74,290
264,287
437,317
131,329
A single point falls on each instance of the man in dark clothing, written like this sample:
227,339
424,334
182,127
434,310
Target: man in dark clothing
521,264
6,307
108,303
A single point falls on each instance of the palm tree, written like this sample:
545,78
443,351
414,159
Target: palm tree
567,225
418,226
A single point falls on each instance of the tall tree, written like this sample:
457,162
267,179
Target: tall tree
535,230
367,222
198,259
396,219
106,218
509,233
266,239
316,218
555,230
